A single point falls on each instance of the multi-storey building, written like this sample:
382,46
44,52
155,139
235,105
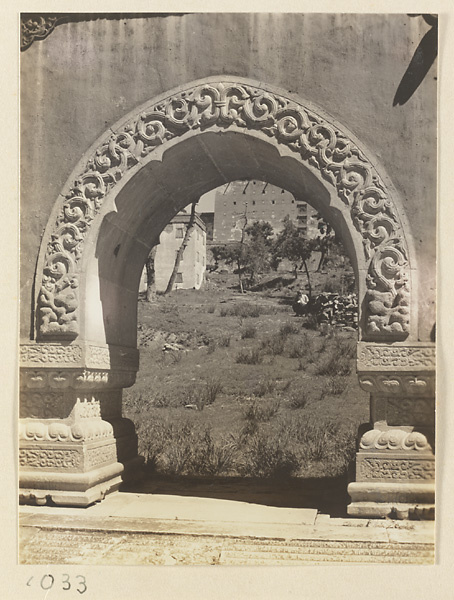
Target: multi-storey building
243,202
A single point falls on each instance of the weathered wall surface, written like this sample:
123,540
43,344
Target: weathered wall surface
87,75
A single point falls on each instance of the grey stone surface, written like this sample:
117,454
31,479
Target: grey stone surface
116,532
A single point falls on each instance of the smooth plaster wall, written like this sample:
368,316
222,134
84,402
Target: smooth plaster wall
87,75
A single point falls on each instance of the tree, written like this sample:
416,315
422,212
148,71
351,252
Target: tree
326,241
291,245
261,231
149,265
251,255
182,248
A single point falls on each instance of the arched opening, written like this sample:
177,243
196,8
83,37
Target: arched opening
136,217
127,188
244,403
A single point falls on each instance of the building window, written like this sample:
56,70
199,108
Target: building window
253,202
179,278
179,233
198,256
273,201
234,203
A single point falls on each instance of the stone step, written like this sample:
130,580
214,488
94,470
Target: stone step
41,546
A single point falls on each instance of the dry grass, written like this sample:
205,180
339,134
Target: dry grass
250,356
274,407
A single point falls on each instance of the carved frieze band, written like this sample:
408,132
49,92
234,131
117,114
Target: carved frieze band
223,105
49,379
88,355
100,455
418,384
414,357
50,458
43,458
400,469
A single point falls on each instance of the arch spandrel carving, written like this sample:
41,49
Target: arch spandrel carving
223,104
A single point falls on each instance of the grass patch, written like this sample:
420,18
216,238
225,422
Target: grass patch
265,387
250,356
274,345
261,411
224,341
336,385
248,332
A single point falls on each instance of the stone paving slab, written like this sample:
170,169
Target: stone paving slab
162,529
170,507
40,546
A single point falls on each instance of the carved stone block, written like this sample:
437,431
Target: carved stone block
44,458
394,467
391,357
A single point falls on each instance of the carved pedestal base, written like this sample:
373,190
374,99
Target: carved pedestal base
74,445
395,475
75,473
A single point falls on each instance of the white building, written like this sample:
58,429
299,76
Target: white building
192,266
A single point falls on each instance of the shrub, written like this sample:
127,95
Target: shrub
298,399
224,341
248,332
335,364
243,310
265,387
250,356
310,322
213,387
169,308
298,349
268,456
330,287
211,347
301,397
288,329
274,345
336,385
261,411
322,441
211,308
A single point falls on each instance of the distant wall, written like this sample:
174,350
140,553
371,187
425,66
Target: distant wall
87,75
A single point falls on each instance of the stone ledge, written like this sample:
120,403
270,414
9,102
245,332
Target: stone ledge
394,492
392,509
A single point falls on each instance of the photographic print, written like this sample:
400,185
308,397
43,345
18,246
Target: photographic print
228,286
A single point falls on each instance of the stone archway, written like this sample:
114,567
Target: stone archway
75,446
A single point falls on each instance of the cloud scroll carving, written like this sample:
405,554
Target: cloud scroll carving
222,105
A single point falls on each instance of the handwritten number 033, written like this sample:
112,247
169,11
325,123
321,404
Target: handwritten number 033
48,580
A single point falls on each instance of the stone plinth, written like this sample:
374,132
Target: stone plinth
74,445
395,462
